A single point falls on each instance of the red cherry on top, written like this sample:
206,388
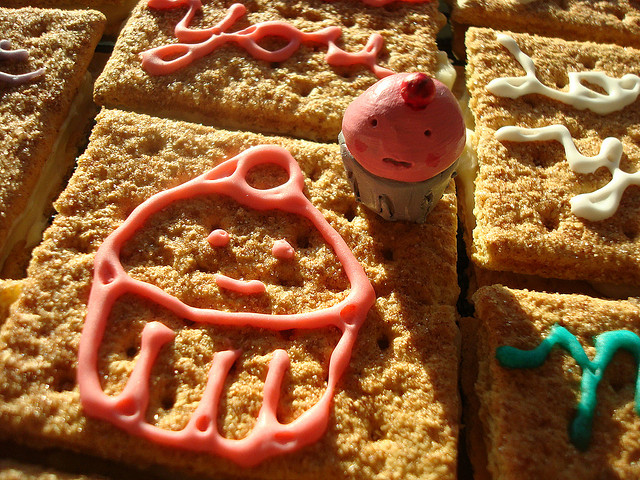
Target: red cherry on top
418,90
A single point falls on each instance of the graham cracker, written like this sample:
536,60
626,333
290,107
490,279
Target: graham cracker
13,470
115,11
9,293
396,407
302,96
32,113
525,413
603,22
474,442
522,220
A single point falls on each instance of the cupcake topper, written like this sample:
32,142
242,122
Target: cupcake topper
418,90
401,140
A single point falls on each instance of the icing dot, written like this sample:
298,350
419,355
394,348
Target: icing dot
283,250
218,238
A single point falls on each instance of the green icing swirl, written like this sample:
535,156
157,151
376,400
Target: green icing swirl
607,344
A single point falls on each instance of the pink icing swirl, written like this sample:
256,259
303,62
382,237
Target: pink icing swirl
196,43
269,437
20,55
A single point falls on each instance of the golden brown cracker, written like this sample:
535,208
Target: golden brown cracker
526,412
523,220
302,96
32,113
396,407
602,22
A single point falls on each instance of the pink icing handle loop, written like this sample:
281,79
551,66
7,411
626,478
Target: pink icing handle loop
289,191
249,38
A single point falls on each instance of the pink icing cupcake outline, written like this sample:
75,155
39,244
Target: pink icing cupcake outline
269,437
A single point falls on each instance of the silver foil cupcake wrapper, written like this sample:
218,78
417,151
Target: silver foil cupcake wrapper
391,199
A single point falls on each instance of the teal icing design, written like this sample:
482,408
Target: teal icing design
606,344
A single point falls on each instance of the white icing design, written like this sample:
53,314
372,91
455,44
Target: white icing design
597,205
620,92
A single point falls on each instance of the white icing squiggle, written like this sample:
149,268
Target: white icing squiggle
597,205
620,92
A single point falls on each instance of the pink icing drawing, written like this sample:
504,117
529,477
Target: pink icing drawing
269,437
406,127
218,238
19,55
283,250
196,43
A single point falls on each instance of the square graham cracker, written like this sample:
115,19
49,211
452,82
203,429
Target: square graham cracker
33,115
15,470
301,96
525,413
115,11
522,220
601,22
396,406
